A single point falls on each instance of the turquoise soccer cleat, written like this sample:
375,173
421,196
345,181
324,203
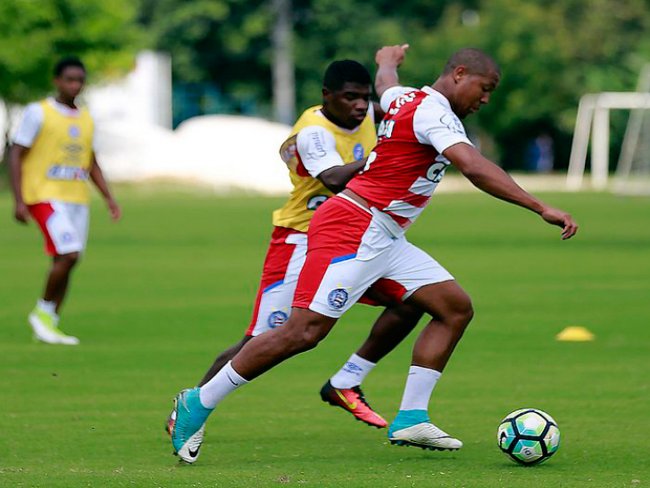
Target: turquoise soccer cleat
413,428
189,424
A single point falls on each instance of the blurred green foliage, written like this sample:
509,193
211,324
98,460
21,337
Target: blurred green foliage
551,51
36,34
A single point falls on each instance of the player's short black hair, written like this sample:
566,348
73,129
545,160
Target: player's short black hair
345,71
67,62
475,60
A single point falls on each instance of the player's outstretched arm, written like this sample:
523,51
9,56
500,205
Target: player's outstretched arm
97,178
16,155
490,178
388,59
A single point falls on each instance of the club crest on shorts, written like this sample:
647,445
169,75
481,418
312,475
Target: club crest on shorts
276,319
337,298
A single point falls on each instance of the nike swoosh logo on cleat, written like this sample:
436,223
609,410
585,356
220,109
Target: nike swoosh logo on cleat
193,453
351,406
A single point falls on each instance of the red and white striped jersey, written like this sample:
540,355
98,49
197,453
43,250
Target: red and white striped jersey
406,165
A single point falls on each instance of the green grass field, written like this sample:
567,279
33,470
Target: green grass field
160,293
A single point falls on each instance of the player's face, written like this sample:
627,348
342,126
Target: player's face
348,106
473,91
70,82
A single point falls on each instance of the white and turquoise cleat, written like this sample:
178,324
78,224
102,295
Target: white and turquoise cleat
413,428
189,424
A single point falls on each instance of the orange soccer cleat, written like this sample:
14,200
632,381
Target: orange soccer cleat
353,401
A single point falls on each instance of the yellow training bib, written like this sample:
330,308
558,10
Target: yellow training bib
308,193
56,166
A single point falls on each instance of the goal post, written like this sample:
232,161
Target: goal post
633,168
593,120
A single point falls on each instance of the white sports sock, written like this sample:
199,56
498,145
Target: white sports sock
224,382
45,306
352,373
419,386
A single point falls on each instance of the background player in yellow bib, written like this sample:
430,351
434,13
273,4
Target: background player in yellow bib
52,159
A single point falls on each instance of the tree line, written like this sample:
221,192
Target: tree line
551,52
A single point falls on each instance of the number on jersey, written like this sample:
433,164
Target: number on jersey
385,128
401,101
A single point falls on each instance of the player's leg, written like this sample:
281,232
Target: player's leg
372,259
302,332
451,310
431,288
284,260
222,359
389,330
330,282
218,363
344,388
65,228
58,278
282,264
280,273
268,313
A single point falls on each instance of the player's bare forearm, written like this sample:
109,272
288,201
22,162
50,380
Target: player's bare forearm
337,177
97,177
490,178
388,59
16,155
493,180
385,78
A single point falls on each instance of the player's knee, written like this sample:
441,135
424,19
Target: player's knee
312,336
463,313
307,335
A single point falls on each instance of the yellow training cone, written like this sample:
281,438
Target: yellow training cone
575,333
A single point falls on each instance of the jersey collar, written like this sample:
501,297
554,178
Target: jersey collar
62,108
437,95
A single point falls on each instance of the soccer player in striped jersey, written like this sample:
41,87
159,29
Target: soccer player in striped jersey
357,237
52,159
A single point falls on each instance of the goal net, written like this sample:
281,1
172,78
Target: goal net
592,129
633,168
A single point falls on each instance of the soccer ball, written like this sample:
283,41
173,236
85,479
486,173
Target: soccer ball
528,436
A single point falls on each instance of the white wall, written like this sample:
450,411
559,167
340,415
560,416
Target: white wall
219,151
135,142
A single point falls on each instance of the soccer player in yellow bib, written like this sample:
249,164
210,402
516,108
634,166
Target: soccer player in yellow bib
52,159
327,146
